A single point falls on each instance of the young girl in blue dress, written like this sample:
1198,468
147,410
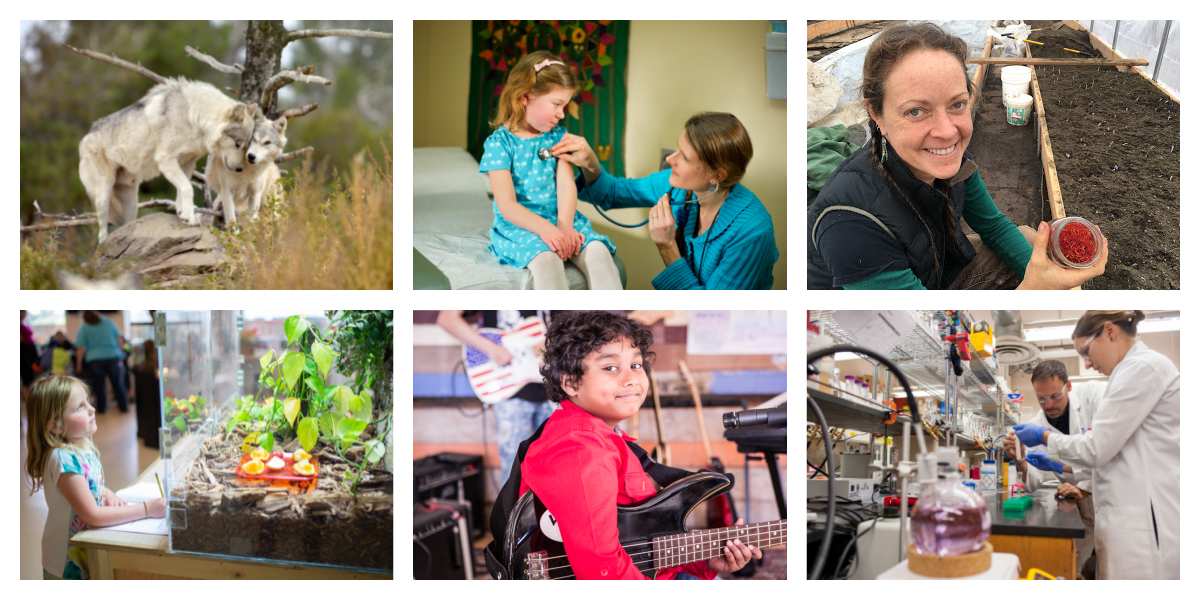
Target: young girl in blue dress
536,225
63,459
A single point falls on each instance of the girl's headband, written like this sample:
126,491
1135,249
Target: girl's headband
545,63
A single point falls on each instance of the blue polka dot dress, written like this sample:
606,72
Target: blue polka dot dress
534,181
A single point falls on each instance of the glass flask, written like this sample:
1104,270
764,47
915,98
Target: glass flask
949,519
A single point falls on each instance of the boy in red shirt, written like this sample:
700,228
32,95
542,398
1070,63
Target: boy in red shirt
580,467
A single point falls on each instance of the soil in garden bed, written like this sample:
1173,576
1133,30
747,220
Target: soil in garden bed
1007,156
327,525
1116,145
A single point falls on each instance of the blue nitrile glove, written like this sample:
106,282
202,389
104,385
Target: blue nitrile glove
1030,434
1039,460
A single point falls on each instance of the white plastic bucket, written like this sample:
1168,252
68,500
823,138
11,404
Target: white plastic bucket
1018,109
1015,79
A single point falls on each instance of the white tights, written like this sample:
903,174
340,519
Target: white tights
596,262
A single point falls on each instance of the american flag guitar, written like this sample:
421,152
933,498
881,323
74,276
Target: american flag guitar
492,382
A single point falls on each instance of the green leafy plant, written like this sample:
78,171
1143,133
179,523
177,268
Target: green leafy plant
180,412
297,400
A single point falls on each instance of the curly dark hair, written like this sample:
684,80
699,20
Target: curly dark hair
574,335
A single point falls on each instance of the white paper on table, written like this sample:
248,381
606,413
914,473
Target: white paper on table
141,492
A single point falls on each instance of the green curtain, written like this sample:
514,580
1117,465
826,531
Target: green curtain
598,53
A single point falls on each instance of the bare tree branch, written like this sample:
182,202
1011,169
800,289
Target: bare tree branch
89,218
294,154
282,78
301,34
120,62
299,111
212,62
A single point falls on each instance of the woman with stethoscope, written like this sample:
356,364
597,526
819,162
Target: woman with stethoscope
1133,448
710,230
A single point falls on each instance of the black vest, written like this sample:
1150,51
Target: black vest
919,223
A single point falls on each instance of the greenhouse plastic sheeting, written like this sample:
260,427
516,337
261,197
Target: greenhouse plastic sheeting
846,64
1141,39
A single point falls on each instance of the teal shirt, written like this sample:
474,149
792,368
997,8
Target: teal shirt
736,253
99,341
995,230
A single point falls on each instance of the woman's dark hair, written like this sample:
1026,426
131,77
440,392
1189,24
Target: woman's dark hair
1093,321
91,317
574,335
893,44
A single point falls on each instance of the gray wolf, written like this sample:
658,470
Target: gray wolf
242,190
164,133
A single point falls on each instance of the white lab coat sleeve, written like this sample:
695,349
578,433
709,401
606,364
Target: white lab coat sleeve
1134,388
1089,395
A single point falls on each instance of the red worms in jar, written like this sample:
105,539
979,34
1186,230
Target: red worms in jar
1076,243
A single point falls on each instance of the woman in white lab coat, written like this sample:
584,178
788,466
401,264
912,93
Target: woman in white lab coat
1133,449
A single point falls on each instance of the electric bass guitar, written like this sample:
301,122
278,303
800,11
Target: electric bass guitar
651,532
493,382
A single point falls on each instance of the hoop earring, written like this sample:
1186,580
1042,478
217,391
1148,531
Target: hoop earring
715,187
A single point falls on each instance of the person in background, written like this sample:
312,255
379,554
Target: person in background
30,366
1068,408
1132,448
56,358
98,349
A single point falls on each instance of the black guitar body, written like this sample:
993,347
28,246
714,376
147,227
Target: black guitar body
530,551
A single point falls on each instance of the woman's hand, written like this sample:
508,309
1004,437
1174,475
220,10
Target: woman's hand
662,222
110,498
574,240
735,556
577,151
1042,273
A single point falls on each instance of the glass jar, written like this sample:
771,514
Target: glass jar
1075,242
949,519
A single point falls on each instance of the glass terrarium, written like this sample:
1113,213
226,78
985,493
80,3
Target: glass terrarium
292,465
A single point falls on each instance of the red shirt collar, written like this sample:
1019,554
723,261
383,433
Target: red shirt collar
571,409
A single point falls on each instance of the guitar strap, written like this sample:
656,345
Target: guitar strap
509,494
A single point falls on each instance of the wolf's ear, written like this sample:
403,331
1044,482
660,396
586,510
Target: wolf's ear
242,112
280,125
256,110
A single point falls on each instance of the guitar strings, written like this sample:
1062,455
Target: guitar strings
771,538
759,536
746,530
645,562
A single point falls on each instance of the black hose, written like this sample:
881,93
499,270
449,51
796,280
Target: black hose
831,509
813,357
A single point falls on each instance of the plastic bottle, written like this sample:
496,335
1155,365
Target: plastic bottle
949,519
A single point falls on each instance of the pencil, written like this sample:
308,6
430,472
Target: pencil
160,490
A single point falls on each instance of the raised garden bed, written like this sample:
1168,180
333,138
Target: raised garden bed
1115,140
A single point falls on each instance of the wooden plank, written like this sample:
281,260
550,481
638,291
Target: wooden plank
1055,556
981,74
1061,62
1049,170
824,28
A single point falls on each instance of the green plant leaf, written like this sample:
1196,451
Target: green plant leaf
265,360
294,327
348,430
179,423
266,441
327,425
291,408
361,407
307,433
293,366
323,355
375,451
342,400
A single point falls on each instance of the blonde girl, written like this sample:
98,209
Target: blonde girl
63,460
536,225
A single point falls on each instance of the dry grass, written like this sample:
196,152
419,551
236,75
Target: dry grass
321,233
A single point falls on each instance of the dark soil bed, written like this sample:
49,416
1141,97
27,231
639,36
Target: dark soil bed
1007,156
326,525
1116,146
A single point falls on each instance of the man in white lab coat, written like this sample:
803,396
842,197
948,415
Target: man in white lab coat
1068,408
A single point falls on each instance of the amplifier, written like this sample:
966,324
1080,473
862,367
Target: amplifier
441,542
452,476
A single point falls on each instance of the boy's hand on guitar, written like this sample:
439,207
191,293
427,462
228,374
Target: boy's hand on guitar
735,556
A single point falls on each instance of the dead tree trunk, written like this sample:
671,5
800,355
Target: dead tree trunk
265,41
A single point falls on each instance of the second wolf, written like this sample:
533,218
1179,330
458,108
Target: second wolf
242,190
166,132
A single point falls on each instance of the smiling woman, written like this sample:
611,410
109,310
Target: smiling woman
891,215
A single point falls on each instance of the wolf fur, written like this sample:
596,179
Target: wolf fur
126,281
164,133
243,191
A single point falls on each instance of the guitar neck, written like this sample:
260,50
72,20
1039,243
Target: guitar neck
703,544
